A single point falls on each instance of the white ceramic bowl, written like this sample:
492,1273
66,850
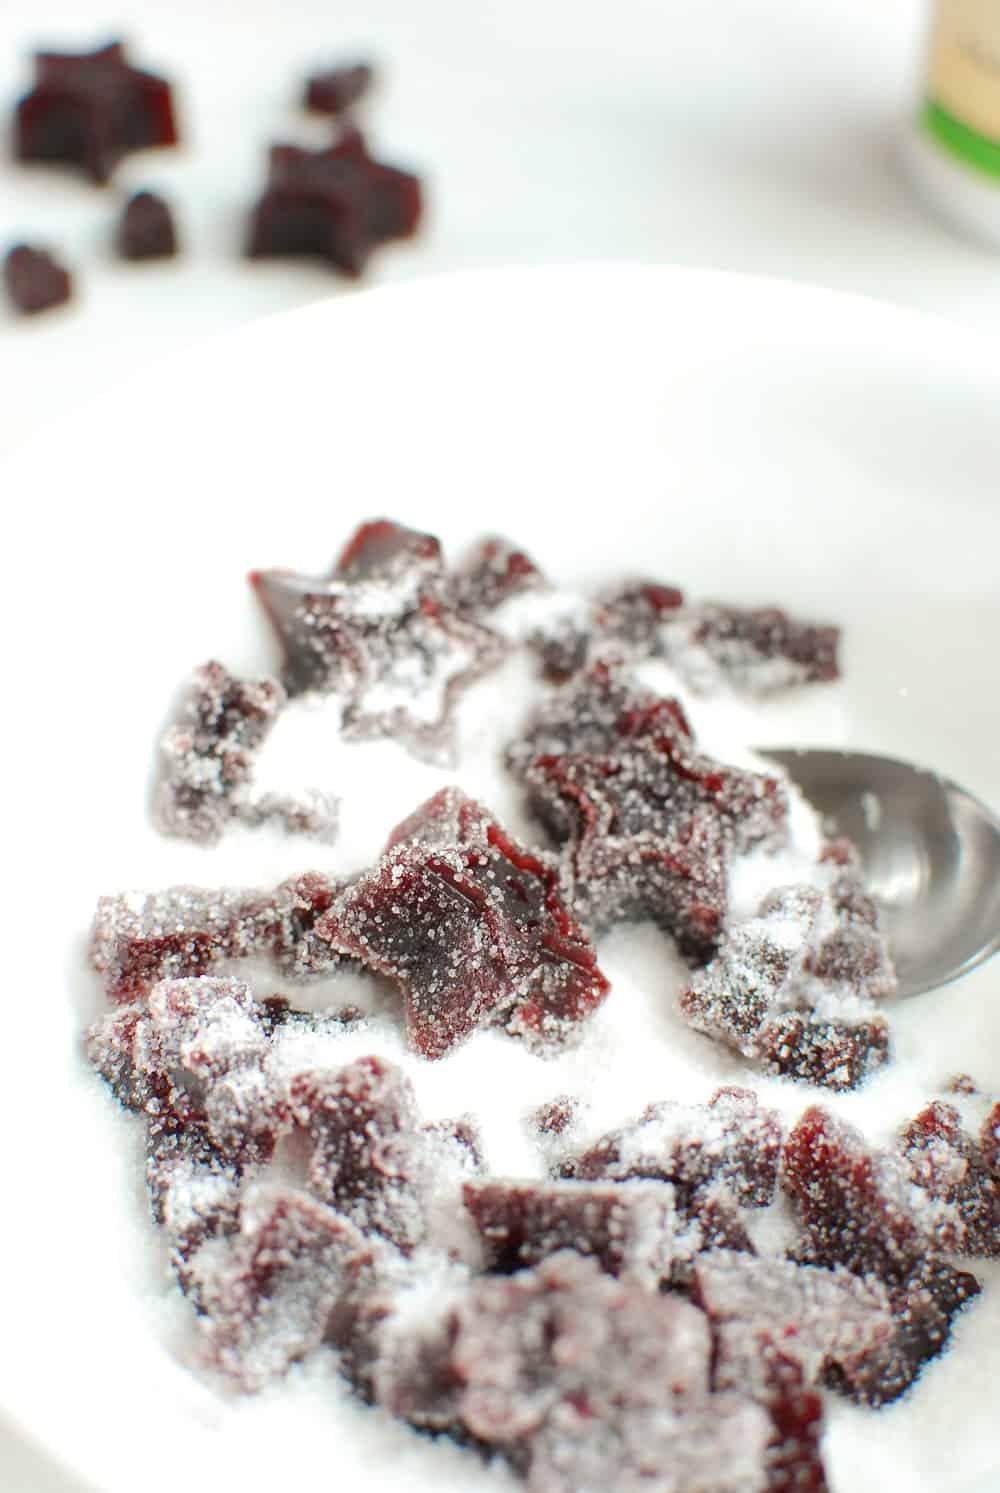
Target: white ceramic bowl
748,439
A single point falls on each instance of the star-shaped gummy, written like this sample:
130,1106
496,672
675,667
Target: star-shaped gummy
472,927
338,204
649,824
90,110
386,631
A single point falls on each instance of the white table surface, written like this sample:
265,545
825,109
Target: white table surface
756,135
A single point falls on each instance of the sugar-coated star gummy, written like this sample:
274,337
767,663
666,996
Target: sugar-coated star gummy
337,204
473,928
385,631
90,109
649,824
858,1208
795,988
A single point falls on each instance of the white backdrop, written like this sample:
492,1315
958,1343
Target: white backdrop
757,134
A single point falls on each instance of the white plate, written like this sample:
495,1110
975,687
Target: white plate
748,439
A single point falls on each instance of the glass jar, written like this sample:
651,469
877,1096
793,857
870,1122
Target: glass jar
954,147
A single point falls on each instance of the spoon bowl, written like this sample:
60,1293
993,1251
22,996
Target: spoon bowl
930,853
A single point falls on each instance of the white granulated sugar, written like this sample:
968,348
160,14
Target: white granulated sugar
635,1051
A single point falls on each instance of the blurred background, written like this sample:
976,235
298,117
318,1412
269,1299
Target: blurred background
758,135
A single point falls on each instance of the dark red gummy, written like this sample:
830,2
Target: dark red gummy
632,612
732,1139
794,1458
138,940
369,1156
146,228
194,1059
989,1140
857,1208
823,1319
557,1116
208,754
384,621
337,204
34,280
759,651
301,904
626,1229
949,1164
492,572
281,1288
338,88
581,1381
194,1194
807,1012
649,824
473,928
738,638
90,109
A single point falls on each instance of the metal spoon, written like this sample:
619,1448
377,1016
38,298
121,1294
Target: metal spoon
930,852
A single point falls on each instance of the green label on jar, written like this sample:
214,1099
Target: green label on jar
961,140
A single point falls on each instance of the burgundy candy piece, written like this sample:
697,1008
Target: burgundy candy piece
649,824
492,572
372,1160
628,1230
949,1164
90,109
361,1122
581,1381
338,89
146,228
473,928
276,1291
194,1195
337,204
759,651
208,753
819,1317
195,1056
383,630
804,1009
732,1139
34,280
140,938
858,1209
632,612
